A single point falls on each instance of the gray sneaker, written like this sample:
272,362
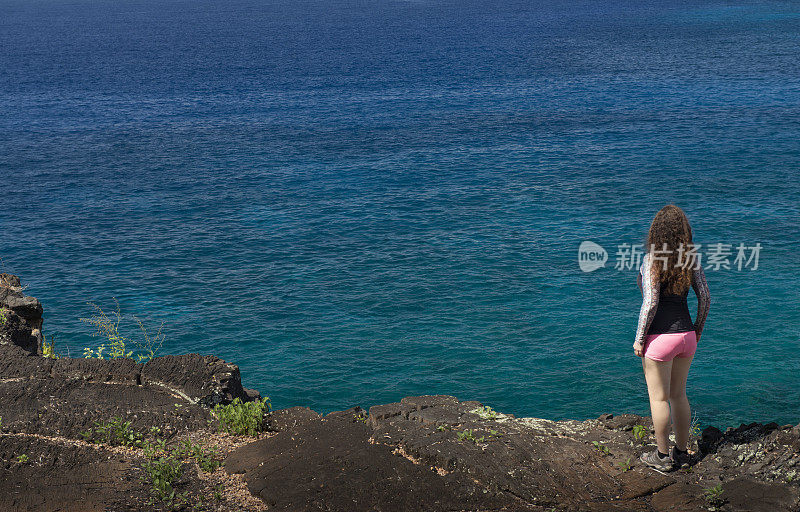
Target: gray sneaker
681,459
654,461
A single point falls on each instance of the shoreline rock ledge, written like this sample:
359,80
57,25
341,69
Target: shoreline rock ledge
423,453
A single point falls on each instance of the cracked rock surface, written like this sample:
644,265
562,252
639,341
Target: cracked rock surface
437,453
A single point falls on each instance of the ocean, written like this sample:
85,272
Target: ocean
360,201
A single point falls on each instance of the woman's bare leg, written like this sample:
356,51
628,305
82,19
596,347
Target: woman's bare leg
658,376
681,413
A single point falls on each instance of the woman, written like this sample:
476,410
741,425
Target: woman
666,337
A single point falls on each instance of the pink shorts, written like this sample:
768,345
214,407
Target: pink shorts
664,347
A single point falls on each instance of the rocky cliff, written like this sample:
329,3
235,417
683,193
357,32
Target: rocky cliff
423,453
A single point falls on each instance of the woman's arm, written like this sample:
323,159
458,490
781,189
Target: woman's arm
650,292
703,299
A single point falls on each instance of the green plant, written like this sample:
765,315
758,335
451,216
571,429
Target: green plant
600,448
119,345
115,432
714,496
242,418
361,417
469,435
22,459
625,466
485,412
206,458
694,429
48,349
218,492
2,317
162,473
639,433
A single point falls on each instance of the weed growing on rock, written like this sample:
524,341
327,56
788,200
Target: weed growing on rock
162,473
639,433
115,432
694,429
361,417
242,418
625,466
48,349
485,412
469,435
442,428
714,497
22,459
207,458
2,317
600,448
118,345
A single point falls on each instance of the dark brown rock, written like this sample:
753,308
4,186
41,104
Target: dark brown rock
746,494
288,419
20,316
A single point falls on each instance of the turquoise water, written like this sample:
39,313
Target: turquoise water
360,201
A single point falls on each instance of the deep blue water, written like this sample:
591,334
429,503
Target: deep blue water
359,201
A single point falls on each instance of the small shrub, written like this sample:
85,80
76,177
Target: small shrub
242,418
2,317
22,459
162,473
361,417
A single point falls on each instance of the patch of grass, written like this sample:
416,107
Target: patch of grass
115,432
714,496
242,418
485,412
601,448
119,345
